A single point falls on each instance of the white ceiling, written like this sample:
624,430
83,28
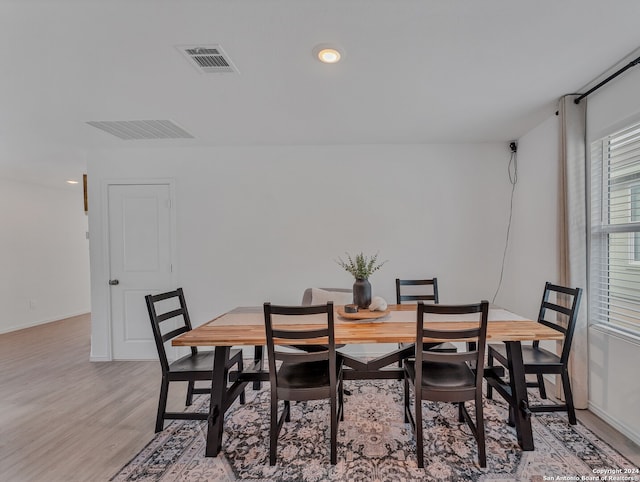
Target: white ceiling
418,71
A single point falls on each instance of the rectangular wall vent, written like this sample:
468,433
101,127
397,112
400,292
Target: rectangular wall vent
142,129
208,59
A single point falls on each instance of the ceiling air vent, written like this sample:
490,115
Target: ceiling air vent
142,129
209,59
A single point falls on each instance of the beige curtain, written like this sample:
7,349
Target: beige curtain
573,232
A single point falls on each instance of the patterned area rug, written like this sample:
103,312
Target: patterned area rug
373,445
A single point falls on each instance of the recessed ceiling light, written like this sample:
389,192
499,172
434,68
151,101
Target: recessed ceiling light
327,54
71,181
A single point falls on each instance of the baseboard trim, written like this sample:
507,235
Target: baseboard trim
99,359
620,427
31,324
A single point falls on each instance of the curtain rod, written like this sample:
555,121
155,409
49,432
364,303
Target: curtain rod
608,79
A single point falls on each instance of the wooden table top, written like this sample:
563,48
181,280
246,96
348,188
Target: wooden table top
246,327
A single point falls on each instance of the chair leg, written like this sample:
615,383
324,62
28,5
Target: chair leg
273,431
240,370
568,397
541,387
489,365
418,432
482,452
258,359
334,431
460,412
406,399
162,404
190,387
341,400
287,408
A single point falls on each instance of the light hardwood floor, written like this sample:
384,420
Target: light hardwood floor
64,418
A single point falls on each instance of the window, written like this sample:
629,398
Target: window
634,194
615,229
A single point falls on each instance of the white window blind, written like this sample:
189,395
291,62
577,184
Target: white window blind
615,229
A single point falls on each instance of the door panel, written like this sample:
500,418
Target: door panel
135,309
140,261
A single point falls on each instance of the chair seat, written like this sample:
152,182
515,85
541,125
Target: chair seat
306,375
443,375
200,362
530,355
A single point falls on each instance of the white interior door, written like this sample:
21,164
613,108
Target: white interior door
139,261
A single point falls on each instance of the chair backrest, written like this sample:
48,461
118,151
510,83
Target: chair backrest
276,329
559,310
428,287
169,306
475,337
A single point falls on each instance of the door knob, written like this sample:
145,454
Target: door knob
114,282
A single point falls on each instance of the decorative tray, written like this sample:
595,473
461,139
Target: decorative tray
362,314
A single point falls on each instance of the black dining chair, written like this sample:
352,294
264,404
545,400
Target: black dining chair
302,375
420,290
339,296
170,308
448,377
428,290
558,310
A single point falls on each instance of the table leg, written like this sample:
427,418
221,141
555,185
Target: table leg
215,422
520,407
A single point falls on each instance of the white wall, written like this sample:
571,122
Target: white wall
532,255
264,223
44,255
614,393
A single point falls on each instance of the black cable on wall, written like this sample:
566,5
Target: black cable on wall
512,169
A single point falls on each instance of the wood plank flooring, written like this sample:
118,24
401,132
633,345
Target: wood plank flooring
64,418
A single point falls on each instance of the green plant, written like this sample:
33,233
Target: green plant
362,267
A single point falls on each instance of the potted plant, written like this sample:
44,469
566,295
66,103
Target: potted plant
361,268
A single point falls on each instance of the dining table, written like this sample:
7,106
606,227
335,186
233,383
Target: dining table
244,326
